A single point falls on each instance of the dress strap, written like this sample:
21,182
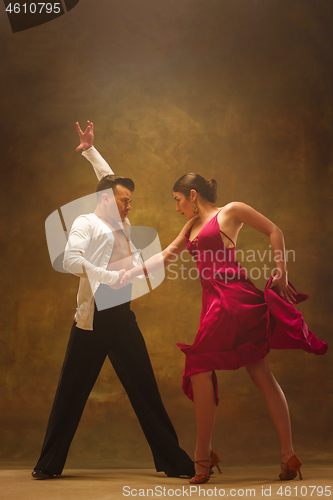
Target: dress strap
227,237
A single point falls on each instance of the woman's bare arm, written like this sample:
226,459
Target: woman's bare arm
157,261
247,215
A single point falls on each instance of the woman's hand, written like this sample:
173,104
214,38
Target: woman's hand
280,282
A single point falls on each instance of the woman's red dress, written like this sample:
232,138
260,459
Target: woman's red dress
239,323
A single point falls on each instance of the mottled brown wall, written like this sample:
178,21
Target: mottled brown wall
239,90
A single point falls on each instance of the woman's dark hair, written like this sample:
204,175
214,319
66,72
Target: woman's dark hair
111,181
206,189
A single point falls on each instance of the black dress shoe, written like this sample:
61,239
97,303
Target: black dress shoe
188,472
42,474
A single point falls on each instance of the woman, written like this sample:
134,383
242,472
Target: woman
238,322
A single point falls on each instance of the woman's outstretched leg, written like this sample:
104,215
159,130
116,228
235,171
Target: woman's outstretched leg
205,412
276,403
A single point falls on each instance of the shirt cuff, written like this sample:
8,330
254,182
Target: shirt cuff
89,150
111,278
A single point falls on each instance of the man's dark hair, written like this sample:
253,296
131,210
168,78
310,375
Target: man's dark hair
111,181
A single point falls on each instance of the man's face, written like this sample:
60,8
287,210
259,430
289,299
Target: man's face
123,197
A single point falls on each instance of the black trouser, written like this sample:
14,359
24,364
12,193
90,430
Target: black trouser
115,334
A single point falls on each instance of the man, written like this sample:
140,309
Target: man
98,251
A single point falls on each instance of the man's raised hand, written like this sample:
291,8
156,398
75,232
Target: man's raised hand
86,137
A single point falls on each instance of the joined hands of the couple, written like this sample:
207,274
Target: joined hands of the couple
120,284
126,278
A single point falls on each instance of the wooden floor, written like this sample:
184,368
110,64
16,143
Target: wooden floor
114,484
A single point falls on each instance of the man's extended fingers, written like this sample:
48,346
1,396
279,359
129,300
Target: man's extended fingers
90,126
78,128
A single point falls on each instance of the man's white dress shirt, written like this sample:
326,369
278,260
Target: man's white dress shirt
88,250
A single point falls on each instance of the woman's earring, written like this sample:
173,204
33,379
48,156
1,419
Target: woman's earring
195,209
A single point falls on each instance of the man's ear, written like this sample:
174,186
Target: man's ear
105,198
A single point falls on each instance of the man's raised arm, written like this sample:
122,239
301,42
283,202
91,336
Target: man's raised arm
100,166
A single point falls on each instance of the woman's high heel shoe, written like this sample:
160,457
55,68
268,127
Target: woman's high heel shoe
292,467
204,478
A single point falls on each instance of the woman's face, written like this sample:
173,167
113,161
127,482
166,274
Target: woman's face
183,205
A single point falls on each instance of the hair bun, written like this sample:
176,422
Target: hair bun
211,186
206,189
